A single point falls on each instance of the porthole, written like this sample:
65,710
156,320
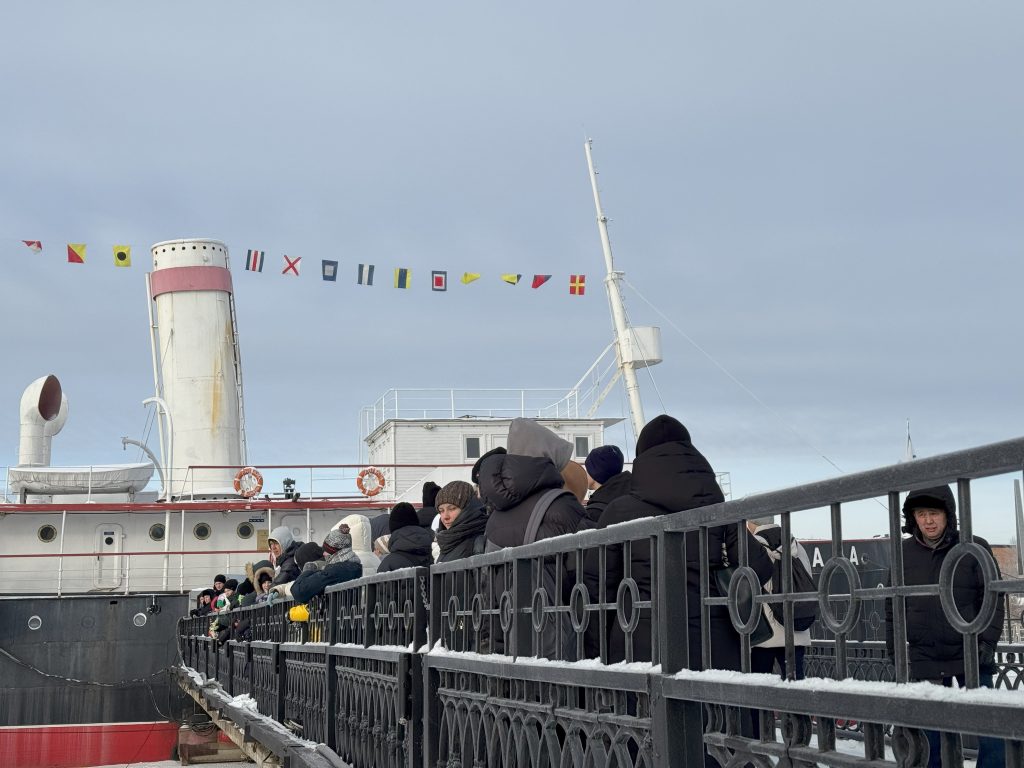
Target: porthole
201,531
34,623
156,532
47,533
245,530
139,619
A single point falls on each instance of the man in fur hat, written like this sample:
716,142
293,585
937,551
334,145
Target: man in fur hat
935,648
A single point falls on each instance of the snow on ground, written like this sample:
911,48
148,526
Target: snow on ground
169,764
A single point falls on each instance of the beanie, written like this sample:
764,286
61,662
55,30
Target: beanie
604,462
660,430
457,492
231,584
402,515
219,577
430,489
307,553
338,545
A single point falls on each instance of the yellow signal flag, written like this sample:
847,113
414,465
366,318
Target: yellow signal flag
469,277
512,279
122,255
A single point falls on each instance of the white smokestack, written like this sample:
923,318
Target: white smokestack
200,371
44,409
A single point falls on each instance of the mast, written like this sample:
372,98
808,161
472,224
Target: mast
627,366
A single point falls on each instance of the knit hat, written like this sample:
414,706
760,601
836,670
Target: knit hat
402,515
430,490
940,497
307,553
604,462
381,543
474,474
660,430
457,493
338,545
231,584
219,577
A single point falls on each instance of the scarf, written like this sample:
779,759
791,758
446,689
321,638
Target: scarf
470,523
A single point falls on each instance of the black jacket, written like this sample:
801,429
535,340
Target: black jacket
409,547
936,650
512,485
288,569
669,477
617,485
378,527
314,582
466,536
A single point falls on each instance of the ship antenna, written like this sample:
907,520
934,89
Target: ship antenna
611,282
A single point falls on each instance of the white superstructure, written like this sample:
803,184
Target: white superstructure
197,363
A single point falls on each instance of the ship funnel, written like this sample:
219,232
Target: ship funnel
44,409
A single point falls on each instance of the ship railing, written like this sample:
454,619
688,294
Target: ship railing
440,403
589,649
120,572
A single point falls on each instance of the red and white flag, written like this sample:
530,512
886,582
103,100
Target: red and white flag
291,266
35,245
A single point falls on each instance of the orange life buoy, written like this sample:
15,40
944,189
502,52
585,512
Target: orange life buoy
248,482
372,487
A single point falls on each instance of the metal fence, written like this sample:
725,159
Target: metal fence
606,648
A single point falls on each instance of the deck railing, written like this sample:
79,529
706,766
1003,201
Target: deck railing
475,662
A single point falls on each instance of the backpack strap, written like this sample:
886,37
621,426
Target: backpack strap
539,510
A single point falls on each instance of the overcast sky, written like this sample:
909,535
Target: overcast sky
827,197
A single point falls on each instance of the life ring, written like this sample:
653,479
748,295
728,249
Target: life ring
374,486
248,482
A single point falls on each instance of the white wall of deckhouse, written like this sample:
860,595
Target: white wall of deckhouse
457,442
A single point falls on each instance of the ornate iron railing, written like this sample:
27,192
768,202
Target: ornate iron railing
475,662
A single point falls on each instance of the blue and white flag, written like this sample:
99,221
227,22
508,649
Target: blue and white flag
330,270
366,274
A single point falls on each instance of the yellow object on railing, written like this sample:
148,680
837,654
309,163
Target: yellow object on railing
298,613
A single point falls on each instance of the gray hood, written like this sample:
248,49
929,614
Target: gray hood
283,536
528,438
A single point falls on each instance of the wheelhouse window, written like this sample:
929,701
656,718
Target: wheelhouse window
472,448
582,446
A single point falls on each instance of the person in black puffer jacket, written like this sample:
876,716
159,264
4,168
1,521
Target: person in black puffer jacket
341,565
935,649
512,485
464,520
409,544
670,475
606,479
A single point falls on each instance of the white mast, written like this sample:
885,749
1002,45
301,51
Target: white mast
623,352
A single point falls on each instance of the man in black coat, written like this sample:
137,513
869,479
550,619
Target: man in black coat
670,475
409,545
606,480
935,648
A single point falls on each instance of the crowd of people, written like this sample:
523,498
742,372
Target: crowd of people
532,490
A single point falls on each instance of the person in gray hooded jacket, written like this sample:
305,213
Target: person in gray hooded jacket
282,553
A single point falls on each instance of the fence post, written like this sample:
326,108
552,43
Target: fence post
331,636
676,725
522,619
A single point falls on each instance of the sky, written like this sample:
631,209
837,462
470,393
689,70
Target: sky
824,197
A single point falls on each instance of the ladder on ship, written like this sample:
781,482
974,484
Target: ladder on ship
237,357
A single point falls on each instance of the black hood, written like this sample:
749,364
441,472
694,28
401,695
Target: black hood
675,476
507,480
660,430
940,497
412,539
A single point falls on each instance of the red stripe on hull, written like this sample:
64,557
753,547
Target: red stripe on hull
74,746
